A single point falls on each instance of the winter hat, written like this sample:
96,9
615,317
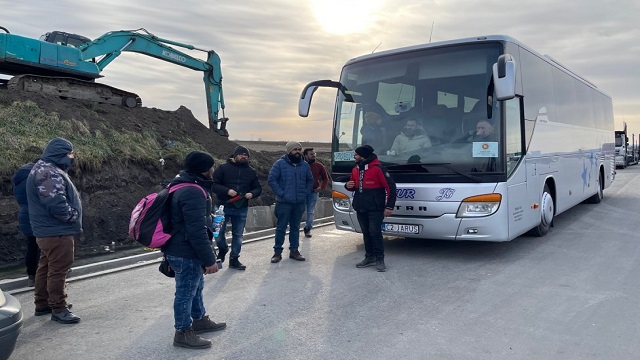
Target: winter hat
292,145
365,151
198,162
241,150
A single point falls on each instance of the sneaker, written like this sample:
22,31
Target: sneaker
31,281
188,339
234,263
276,258
47,310
380,266
222,253
368,261
65,317
206,325
307,232
295,255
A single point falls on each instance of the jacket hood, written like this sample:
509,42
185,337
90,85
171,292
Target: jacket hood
373,159
56,152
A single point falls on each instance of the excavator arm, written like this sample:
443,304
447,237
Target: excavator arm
110,45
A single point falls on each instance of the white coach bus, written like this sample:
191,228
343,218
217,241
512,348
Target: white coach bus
551,145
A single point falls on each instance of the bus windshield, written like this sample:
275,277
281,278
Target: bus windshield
427,112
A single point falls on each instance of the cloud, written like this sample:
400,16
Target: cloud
270,49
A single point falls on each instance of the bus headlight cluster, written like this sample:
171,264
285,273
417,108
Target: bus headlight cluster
480,205
341,201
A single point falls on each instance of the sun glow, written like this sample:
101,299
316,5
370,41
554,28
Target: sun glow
345,16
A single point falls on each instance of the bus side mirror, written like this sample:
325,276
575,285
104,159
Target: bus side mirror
307,93
304,103
504,77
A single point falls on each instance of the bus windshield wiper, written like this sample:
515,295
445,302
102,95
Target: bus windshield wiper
416,166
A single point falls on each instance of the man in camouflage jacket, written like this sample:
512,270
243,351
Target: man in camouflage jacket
55,213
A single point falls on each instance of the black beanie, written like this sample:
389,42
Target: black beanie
365,151
198,162
241,150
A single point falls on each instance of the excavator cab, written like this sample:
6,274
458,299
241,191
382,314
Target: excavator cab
64,38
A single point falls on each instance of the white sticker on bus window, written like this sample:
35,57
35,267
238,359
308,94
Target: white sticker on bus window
485,149
343,156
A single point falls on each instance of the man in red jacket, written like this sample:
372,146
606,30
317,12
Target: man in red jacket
373,199
320,181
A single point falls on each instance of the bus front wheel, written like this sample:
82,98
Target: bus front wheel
547,211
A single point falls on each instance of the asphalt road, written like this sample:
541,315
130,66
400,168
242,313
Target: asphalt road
570,295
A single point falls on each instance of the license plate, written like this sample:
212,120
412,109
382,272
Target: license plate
400,228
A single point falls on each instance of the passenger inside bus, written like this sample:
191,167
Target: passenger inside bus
373,133
412,138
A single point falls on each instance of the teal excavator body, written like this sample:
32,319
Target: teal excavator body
66,65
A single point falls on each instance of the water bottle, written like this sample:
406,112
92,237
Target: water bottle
218,219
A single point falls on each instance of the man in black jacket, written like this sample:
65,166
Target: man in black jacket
235,183
189,251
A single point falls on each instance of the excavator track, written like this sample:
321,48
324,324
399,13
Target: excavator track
66,87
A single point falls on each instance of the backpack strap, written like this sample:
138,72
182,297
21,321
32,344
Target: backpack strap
182,185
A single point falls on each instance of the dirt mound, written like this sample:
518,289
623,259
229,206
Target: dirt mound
109,194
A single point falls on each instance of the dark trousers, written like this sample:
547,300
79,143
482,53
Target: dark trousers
371,225
32,256
56,258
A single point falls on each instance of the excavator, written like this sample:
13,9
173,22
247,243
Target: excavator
67,65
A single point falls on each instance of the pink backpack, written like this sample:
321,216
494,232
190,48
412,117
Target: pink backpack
150,223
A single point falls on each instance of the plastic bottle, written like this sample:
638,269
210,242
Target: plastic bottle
218,219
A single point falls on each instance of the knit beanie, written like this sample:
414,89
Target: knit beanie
292,145
365,151
198,162
241,150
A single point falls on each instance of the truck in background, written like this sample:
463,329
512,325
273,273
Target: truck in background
626,154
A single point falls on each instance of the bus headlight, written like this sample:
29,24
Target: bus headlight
341,201
480,205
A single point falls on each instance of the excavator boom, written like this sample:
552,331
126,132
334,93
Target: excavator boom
59,68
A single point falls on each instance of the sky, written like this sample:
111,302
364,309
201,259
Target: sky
270,49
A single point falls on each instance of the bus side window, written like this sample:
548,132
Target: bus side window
514,143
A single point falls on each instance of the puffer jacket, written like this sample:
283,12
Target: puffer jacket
55,207
191,220
291,182
19,181
374,189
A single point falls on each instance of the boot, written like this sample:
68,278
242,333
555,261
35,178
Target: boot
380,266
276,258
234,263
307,232
65,317
31,280
295,255
206,325
368,261
189,339
222,253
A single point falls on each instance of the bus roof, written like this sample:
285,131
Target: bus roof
470,40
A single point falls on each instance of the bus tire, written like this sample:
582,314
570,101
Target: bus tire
599,195
547,211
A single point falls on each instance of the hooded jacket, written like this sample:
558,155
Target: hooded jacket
55,207
237,176
19,181
374,189
191,220
291,182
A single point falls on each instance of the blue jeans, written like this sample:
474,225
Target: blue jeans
238,219
312,199
187,303
288,214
